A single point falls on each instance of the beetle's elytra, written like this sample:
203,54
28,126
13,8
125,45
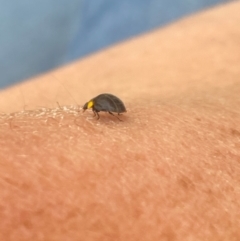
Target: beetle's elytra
105,102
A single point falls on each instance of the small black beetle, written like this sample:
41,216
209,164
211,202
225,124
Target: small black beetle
105,102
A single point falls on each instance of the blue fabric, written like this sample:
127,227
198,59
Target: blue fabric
37,35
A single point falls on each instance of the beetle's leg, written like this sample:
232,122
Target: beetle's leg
96,113
114,115
98,116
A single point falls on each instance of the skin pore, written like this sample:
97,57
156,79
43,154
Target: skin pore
169,171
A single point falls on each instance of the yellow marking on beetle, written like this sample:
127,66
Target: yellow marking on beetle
90,104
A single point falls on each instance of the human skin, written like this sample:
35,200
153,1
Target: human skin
169,171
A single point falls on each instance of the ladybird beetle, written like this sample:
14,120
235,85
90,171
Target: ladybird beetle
105,102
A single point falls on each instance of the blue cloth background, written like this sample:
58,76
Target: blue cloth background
37,35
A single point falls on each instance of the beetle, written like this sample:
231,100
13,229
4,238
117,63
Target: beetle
107,103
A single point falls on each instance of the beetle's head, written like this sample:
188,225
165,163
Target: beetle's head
88,105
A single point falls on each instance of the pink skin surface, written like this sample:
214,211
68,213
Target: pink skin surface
169,171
